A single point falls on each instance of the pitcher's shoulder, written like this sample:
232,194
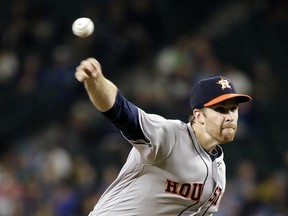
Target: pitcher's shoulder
179,124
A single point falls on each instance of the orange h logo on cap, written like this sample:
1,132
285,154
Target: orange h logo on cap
225,83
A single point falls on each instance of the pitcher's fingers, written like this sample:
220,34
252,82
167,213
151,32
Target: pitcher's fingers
81,76
96,65
94,62
81,69
88,67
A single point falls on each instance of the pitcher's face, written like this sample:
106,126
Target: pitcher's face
220,120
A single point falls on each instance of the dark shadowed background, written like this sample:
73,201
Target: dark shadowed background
58,154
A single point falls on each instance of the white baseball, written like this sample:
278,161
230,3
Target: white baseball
83,27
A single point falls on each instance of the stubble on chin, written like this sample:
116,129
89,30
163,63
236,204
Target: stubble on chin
228,137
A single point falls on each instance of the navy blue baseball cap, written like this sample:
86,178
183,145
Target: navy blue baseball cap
208,92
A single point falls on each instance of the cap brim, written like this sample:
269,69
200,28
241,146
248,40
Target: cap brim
241,98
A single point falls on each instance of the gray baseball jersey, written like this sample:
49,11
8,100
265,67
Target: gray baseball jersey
170,174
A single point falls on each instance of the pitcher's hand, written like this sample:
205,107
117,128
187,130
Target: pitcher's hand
88,69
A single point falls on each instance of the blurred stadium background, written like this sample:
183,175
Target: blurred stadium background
57,154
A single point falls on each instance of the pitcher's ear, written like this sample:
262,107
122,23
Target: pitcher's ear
199,117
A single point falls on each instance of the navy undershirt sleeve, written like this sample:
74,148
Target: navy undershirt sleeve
124,115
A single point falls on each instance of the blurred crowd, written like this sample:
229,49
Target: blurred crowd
58,154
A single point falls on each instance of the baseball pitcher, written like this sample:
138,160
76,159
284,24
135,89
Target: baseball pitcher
174,168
